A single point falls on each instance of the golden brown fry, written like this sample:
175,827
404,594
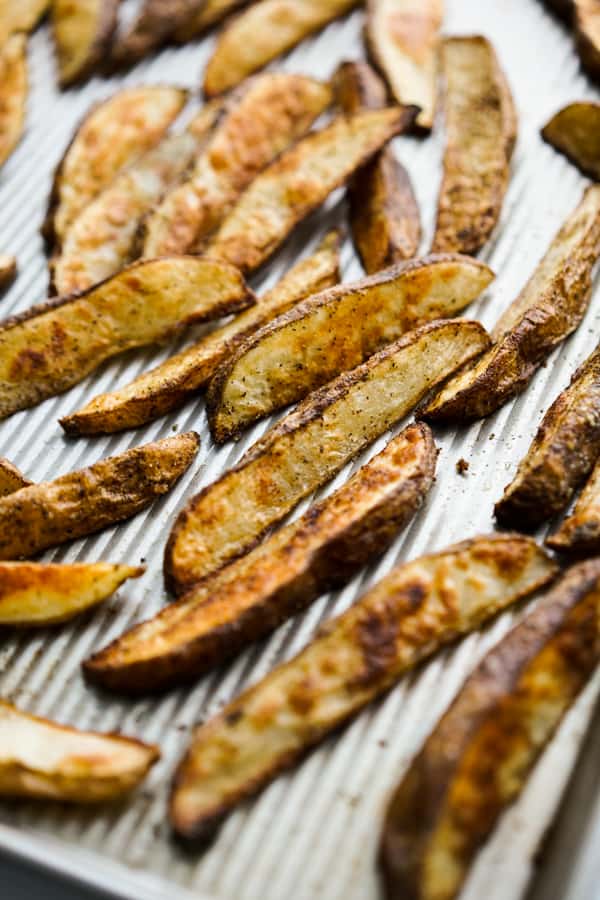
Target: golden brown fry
13,93
83,32
481,131
333,332
300,181
154,24
587,34
11,479
34,594
80,503
306,448
575,132
210,13
550,306
256,593
39,758
478,759
21,15
414,611
258,122
8,269
579,534
180,377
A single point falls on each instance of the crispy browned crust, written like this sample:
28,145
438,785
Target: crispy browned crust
83,32
481,131
587,35
257,593
564,9
211,13
11,478
574,131
479,757
80,503
21,15
417,609
579,534
14,87
153,26
8,270
309,445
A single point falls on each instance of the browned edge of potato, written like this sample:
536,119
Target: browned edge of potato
170,384
258,592
21,15
14,87
80,503
11,479
83,33
333,332
579,533
477,760
42,759
587,36
417,609
575,132
8,269
563,8
481,129
210,13
549,308
306,448
152,27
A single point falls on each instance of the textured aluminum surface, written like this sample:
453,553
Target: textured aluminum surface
313,833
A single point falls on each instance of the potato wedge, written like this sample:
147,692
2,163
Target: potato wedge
14,88
255,594
299,182
113,135
384,216
579,534
80,503
403,39
21,15
575,132
39,594
587,35
477,760
307,447
180,377
261,33
550,307
39,758
83,32
561,456
563,8
418,608
480,136
210,13
259,121
333,332
8,269
11,479
51,347
152,27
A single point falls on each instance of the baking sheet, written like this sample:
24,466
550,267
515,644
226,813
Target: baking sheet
313,833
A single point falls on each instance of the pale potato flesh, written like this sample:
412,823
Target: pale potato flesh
14,88
82,33
11,479
20,15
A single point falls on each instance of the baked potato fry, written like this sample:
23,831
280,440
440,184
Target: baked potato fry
39,758
8,269
300,181
39,594
51,347
258,122
80,503
575,132
83,33
170,384
307,447
14,87
283,575
333,332
210,13
477,760
481,128
403,39
11,479
21,15
587,34
417,609
261,33
561,456
579,534
112,136
152,27
550,307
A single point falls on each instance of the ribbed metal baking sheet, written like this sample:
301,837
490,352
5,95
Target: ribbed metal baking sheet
313,833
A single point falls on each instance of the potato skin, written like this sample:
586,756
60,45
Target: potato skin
587,36
8,270
579,534
83,33
11,479
574,131
153,26
210,13
14,87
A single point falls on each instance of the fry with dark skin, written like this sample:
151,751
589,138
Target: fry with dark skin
153,26
14,87
11,479
575,132
83,32
210,13
8,270
587,36
579,534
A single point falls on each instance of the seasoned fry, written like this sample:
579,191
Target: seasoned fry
579,534
153,26
51,347
575,131
13,93
550,307
481,130
80,503
478,759
261,33
11,479
211,12
561,456
587,33
307,447
171,383
333,332
35,594
39,758
259,121
403,39
418,608
113,135
8,269
256,593
83,33
300,181
21,15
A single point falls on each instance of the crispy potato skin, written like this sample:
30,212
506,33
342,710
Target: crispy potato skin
80,503
11,479
333,332
307,447
152,27
8,270
480,136
478,759
561,456
563,8
575,132
579,534
550,307
83,33
14,87
405,618
587,34
21,15
39,758
285,574
210,13
180,377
